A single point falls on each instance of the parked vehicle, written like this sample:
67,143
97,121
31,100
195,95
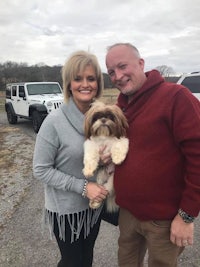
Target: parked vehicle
32,101
192,82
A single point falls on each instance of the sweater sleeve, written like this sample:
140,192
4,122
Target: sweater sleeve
46,148
186,125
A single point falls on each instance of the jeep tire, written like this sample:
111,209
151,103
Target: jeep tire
37,119
12,119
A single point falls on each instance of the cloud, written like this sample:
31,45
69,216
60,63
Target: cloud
35,31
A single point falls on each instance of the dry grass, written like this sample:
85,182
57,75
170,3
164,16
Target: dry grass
2,100
110,95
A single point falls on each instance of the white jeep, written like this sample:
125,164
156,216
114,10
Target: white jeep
192,82
32,100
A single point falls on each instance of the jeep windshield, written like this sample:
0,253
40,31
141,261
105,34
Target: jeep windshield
41,89
193,83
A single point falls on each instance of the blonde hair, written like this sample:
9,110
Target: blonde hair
76,63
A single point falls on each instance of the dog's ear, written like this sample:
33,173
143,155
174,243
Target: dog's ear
96,105
87,124
121,121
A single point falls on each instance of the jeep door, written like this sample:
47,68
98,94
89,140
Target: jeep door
14,97
21,102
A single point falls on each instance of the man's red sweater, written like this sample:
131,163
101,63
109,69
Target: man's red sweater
162,170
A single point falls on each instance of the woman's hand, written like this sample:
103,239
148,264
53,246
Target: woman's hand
96,192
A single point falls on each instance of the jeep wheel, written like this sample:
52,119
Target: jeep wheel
37,121
12,119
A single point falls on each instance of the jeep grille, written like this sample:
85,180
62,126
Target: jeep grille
57,105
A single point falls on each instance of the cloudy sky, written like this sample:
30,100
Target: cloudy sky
40,31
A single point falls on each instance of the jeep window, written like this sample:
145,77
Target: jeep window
14,90
21,91
192,83
8,92
40,89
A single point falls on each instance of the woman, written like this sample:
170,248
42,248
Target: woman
58,163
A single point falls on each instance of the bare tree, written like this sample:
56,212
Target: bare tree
165,70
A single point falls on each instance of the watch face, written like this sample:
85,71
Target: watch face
186,217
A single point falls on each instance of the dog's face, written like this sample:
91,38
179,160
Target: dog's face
105,120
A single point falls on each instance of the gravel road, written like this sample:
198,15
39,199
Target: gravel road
22,243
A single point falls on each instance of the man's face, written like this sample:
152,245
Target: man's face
126,69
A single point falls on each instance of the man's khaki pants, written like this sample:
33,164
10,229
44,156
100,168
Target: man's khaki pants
138,237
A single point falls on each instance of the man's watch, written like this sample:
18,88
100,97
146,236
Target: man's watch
186,217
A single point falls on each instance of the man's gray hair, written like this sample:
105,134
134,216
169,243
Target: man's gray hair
125,44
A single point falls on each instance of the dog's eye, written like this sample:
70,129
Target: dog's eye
96,117
109,116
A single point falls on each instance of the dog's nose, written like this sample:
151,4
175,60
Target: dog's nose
103,120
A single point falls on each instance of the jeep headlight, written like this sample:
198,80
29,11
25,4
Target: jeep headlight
49,104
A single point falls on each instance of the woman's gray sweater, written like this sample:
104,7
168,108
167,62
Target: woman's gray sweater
58,163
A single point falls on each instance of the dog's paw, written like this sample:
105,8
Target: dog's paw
118,157
94,204
119,151
90,166
88,172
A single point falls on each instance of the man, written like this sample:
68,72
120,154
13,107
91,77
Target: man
158,185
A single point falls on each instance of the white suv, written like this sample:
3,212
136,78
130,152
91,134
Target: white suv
192,82
32,100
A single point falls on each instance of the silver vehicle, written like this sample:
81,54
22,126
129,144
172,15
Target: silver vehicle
32,100
192,82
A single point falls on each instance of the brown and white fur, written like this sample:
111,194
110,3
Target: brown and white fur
105,126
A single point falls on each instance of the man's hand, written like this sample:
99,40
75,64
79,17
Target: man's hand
105,157
181,232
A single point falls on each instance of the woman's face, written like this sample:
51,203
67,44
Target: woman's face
84,88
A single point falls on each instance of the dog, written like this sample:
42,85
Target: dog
105,126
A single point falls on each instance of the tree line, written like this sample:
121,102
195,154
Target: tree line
11,72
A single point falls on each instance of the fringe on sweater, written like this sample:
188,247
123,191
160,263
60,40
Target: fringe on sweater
85,219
